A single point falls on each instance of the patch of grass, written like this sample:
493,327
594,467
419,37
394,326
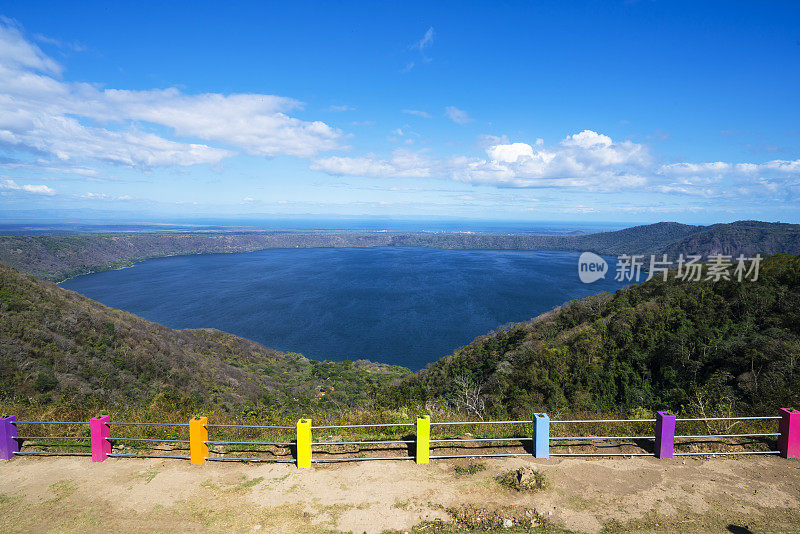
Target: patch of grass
471,469
402,505
147,475
62,489
241,486
473,519
715,520
524,479
9,500
248,484
209,485
580,503
334,512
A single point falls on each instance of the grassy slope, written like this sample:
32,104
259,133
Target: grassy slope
57,257
57,343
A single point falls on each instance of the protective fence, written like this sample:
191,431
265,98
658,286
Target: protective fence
302,450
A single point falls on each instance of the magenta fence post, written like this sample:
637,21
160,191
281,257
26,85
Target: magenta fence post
789,426
665,435
100,433
8,437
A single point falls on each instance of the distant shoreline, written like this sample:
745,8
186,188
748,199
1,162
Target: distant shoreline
60,257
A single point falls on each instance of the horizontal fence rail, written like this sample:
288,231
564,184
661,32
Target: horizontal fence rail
417,447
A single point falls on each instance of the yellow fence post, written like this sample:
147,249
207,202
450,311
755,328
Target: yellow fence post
304,443
198,436
423,439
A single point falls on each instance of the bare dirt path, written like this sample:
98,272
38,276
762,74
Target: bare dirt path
761,494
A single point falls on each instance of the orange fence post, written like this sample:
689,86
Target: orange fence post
198,437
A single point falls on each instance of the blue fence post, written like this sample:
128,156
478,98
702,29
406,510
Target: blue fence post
665,435
8,437
541,435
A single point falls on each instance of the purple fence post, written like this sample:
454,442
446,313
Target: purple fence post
100,432
789,442
8,437
665,434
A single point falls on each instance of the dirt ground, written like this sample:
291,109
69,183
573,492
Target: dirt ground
750,494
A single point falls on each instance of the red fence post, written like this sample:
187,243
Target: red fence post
789,442
100,433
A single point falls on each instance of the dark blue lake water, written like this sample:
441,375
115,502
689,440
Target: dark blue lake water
403,306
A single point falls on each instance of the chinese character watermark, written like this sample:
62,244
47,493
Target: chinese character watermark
689,268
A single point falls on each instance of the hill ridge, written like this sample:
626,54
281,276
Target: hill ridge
58,257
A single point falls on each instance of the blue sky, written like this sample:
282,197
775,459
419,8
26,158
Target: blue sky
592,111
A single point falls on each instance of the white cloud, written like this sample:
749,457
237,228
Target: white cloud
418,113
402,164
485,140
587,139
420,46
588,161
11,185
510,153
693,169
585,160
426,41
66,139
73,46
17,52
458,116
772,178
73,121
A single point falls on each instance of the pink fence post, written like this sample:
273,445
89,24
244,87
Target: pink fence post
8,437
100,433
665,435
789,442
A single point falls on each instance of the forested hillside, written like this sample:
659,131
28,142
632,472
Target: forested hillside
701,347
58,346
743,237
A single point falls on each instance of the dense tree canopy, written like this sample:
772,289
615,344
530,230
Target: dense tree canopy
712,347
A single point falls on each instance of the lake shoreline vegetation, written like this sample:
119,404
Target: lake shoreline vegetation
708,348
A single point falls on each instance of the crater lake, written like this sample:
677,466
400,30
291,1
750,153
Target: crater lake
401,306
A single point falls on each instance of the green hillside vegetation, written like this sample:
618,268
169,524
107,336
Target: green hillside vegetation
713,348
691,347
744,237
60,348
57,257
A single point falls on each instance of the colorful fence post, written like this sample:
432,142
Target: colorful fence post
789,441
100,433
304,443
665,435
198,438
8,437
423,439
541,435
